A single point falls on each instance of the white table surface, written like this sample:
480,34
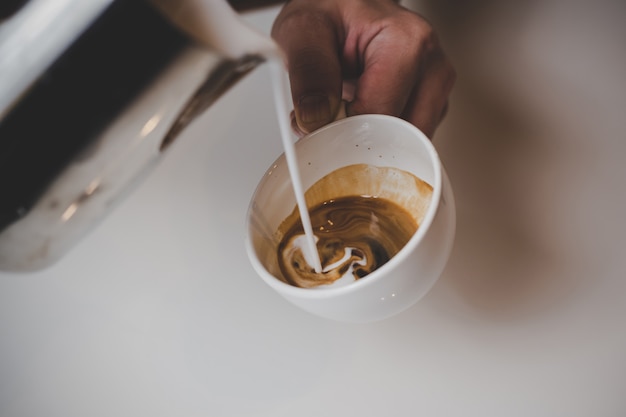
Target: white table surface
158,312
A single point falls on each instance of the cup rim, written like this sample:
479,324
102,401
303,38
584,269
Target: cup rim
377,275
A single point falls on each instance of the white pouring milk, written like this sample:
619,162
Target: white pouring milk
281,97
215,24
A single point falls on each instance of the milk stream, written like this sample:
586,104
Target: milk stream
281,98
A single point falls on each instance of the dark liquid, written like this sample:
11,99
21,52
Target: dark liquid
371,229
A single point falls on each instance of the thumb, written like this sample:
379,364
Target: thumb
310,43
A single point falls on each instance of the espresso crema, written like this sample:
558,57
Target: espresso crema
355,234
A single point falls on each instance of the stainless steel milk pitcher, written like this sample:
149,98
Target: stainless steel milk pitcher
91,95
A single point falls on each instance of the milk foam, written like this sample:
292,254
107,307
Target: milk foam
299,242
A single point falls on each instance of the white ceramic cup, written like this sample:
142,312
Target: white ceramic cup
377,140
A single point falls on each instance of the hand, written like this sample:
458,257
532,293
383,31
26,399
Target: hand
377,55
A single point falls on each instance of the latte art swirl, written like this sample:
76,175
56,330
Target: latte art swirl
355,236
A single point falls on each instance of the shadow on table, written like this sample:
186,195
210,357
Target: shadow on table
493,145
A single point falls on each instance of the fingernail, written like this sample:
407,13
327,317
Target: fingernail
294,126
314,109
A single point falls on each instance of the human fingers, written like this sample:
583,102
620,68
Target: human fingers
388,52
428,103
309,39
404,72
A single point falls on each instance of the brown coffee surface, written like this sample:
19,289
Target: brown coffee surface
371,230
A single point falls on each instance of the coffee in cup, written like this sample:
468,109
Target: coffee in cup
365,155
362,215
